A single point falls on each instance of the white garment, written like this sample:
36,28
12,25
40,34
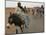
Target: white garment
24,17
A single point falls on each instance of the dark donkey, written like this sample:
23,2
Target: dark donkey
14,18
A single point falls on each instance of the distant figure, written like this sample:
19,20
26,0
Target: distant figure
42,8
32,12
25,9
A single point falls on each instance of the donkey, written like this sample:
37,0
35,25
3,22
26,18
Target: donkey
14,18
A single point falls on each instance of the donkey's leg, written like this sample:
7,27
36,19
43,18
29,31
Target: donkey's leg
22,28
18,30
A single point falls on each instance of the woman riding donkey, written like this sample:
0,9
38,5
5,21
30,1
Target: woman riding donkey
21,12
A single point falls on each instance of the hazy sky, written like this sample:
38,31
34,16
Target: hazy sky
27,4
